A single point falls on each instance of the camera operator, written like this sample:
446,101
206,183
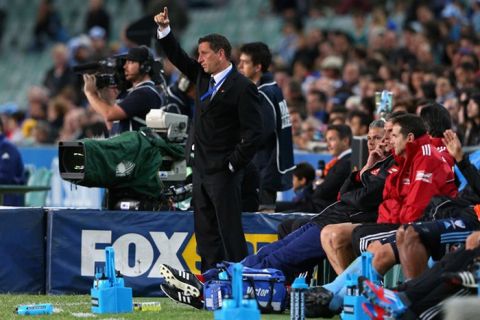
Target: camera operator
179,97
133,105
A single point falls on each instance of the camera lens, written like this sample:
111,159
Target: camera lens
73,160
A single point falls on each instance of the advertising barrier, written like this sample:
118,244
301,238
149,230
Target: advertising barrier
65,194
141,240
22,248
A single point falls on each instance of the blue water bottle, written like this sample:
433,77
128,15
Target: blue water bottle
35,309
297,299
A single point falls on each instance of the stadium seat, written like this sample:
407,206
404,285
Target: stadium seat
38,177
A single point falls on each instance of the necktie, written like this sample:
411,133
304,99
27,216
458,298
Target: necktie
211,85
329,166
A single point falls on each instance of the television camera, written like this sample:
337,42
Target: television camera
141,170
109,72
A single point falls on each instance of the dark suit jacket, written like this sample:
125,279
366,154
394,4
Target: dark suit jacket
326,193
226,129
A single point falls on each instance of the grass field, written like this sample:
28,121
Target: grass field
78,307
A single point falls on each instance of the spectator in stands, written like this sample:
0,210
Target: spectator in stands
465,75
97,16
316,105
351,76
43,133
359,33
456,113
475,18
98,44
74,121
37,103
472,130
56,111
80,50
96,129
311,137
11,169
331,68
274,157
338,115
60,75
293,94
12,125
358,122
136,102
27,131
48,26
443,90
296,121
291,30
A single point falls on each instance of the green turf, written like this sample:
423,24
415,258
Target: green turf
78,307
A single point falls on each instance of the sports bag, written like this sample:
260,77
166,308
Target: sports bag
267,286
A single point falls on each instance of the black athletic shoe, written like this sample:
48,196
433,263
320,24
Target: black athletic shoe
466,279
317,300
182,280
178,295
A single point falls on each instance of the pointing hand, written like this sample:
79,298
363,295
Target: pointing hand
162,19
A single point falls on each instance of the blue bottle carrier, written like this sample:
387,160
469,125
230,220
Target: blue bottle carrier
109,294
353,300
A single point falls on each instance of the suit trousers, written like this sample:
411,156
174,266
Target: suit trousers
218,217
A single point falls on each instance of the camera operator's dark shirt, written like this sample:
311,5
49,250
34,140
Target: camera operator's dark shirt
136,104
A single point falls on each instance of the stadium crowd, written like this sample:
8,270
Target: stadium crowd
428,55
418,50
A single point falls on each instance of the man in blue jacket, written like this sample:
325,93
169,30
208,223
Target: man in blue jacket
11,168
274,158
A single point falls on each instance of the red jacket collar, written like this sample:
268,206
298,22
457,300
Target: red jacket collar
412,148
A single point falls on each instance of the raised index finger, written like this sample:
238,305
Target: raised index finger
165,12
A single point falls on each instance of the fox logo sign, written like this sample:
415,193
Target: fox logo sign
129,244
142,254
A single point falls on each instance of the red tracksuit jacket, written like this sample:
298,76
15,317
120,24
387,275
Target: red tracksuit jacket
421,174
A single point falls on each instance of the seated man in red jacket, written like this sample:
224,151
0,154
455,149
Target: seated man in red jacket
422,173
337,239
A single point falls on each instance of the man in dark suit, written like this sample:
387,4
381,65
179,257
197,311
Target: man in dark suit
226,129
337,170
339,140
